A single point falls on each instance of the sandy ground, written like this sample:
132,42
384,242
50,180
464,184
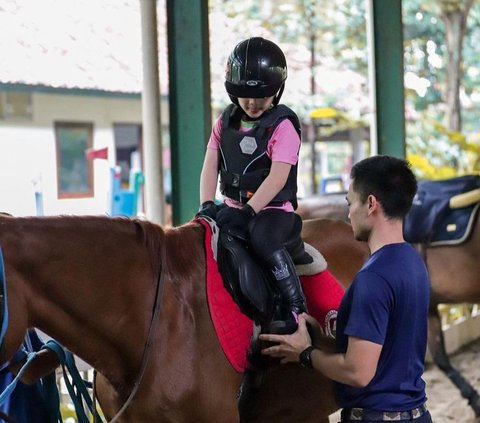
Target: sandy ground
445,402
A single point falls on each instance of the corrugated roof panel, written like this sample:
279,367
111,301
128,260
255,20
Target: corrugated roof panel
86,44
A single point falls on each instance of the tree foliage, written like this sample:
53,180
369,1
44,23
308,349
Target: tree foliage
337,30
441,79
326,42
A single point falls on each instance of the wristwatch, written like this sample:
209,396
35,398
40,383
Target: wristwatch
305,357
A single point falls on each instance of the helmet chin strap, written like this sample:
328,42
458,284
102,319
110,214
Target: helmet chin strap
278,95
234,99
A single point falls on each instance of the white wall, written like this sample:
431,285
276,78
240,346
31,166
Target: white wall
27,152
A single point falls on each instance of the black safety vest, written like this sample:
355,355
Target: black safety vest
244,163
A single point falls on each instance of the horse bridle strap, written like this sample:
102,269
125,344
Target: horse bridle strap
151,331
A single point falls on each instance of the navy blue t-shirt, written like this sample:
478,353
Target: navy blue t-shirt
387,304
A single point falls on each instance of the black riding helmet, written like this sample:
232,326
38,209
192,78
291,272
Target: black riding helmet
256,68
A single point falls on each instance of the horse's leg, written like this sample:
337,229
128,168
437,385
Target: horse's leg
436,344
107,397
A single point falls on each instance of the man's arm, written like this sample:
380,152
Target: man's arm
356,367
43,364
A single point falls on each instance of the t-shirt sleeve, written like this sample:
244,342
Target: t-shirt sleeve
284,144
214,140
372,301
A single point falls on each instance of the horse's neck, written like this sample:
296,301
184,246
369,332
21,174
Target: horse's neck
89,289
185,249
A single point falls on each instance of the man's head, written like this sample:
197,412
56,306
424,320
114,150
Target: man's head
383,180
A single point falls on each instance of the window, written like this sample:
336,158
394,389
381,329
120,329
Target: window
74,171
15,105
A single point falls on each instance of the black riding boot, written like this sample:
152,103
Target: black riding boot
286,280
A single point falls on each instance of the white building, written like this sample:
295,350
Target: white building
70,81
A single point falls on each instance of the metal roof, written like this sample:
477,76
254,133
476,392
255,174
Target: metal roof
73,44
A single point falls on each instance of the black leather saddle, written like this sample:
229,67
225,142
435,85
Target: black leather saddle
245,278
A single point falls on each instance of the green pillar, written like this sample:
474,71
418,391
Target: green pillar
190,112
386,22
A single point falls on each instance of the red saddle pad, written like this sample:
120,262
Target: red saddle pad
234,329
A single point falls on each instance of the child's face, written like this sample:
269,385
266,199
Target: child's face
255,107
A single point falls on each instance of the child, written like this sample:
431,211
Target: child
254,149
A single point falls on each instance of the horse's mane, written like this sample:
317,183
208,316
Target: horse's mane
153,237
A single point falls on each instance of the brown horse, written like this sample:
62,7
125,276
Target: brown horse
455,278
329,206
91,283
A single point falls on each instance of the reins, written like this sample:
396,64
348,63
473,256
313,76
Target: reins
151,331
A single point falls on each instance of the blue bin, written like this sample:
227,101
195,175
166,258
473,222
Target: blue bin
123,203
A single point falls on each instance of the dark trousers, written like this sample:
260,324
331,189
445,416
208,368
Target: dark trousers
426,418
270,230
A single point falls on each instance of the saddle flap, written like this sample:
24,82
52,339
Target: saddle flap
244,279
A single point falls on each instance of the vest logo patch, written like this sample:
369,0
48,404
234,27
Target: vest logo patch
248,145
331,323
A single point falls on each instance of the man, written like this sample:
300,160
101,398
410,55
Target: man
382,321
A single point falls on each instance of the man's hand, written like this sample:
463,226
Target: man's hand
289,347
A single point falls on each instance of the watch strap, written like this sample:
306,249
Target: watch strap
305,357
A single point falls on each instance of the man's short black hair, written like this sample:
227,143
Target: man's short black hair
389,179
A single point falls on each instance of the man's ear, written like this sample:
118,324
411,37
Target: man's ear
372,203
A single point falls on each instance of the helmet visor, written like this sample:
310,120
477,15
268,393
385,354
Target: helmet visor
251,89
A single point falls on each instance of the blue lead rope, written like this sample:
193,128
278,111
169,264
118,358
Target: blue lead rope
11,386
3,299
77,387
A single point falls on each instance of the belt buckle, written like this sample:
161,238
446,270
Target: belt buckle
419,411
355,414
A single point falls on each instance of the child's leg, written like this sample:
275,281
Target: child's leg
269,233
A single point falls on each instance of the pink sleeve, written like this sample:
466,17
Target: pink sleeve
214,141
284,144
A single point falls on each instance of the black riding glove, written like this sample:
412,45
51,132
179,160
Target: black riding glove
231,217
209,209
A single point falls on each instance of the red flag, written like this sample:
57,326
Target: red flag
101,153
